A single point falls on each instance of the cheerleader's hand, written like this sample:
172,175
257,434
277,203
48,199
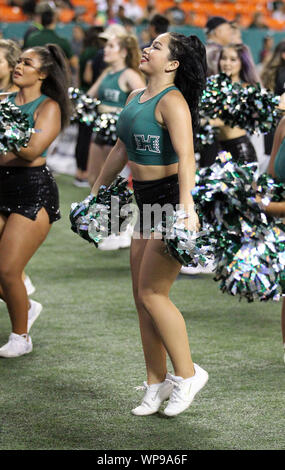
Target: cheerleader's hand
191,221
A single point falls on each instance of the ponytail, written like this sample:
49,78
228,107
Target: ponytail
129,42
190,76
56,83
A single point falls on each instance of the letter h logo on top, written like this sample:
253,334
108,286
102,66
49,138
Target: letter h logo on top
151,143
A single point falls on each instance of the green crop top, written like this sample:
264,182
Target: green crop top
146,141
29,109
110,93
279,163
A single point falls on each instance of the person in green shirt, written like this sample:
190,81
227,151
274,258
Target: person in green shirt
48,36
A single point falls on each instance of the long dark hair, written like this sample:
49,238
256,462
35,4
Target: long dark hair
55,85
190,77
248,73
271,68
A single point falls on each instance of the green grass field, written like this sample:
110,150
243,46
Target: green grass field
76,389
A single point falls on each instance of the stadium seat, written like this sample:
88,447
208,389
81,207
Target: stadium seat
66,15
11,14
275,24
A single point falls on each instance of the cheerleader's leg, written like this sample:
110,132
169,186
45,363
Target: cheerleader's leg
20,239
96,159
283,324
153,348
158,271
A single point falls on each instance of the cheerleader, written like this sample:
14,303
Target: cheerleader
156,138
236,62
276,169
28,193
9,53
121,76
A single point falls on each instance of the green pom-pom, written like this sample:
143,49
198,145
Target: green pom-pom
15,130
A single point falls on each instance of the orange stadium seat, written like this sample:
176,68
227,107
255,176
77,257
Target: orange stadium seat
272,23
66,15
162,5
88,17
200,20
11,14
250,8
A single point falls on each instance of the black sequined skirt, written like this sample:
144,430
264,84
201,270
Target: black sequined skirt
153,198
25,190
241,149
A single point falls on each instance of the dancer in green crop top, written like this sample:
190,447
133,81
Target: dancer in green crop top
156,138
28,192
276,168
122,54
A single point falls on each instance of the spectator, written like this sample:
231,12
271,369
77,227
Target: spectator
36,19
28,7
236,33
266,51
158,25
149,12
129,26
219,33
175,14
133,10
191,18
64,4
95,67
238,20
104,5
77,39
279,13
258,21
47,35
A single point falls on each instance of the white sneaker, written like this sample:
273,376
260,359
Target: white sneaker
184,391
33,313
18,345
154,396
110,243
190,270
79,183
29,285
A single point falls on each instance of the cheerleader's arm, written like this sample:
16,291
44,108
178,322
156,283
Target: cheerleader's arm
113,165
278,138
276,209
93,90
47,127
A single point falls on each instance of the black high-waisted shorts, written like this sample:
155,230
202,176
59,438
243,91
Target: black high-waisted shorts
25,190
152,198
106,135
241,148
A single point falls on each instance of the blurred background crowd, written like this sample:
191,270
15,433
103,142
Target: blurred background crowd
77,23
78,26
